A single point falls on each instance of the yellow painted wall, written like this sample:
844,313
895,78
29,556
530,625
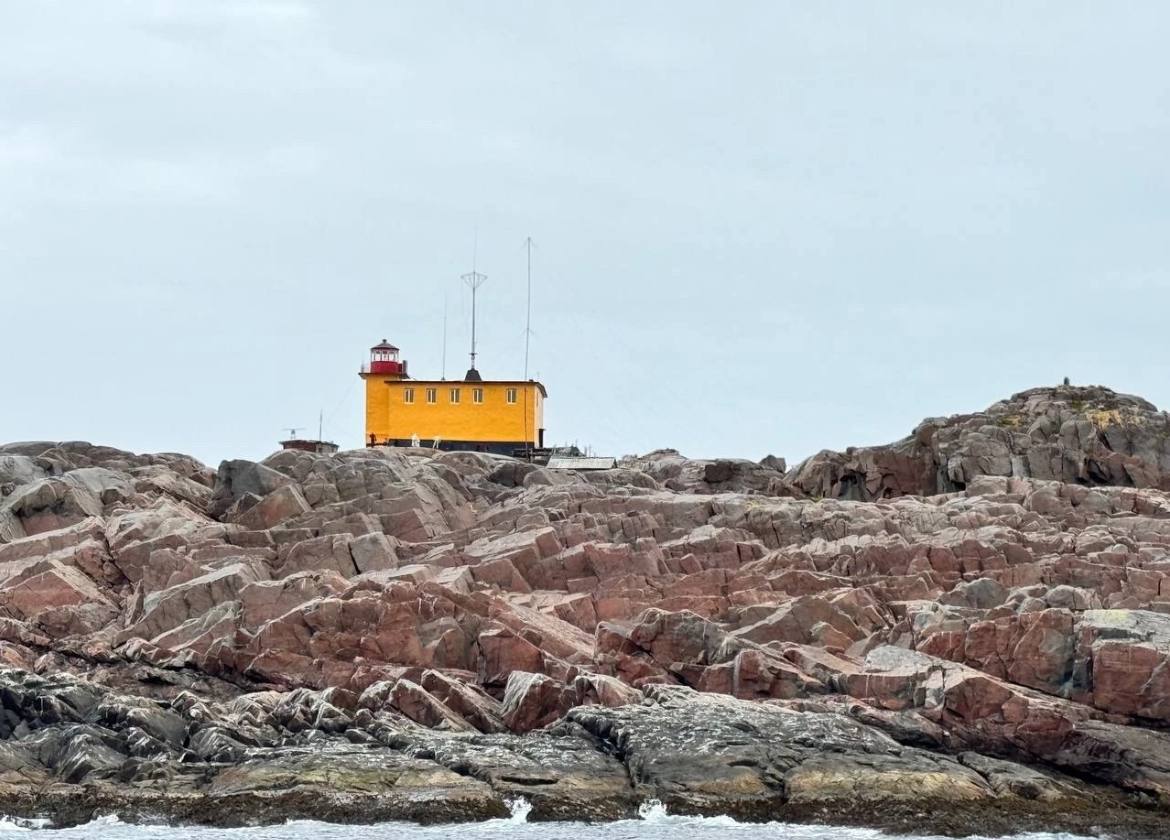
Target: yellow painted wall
377,405
389,416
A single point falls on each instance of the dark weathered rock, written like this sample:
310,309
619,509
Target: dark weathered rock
708,754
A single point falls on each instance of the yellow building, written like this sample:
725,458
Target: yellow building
500,416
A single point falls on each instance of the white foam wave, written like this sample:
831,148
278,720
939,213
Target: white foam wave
21,824
520,809
653,821
654,812
109,819
86,830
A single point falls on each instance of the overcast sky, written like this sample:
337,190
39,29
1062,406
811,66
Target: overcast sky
766,227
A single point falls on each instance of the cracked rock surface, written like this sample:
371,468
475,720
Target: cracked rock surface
967,630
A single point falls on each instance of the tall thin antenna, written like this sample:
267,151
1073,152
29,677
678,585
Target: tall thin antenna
473,280
528,320
444,376
320,424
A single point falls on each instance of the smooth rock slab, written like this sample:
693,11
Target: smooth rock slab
704,753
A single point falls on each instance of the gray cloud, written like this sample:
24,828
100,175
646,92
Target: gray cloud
762,227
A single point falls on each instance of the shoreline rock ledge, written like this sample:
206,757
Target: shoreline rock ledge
963,632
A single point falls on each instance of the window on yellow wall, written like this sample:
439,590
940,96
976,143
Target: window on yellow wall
511,395
454,395
408,395
477,395
432,395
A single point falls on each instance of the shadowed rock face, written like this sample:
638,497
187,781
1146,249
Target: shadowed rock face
459,629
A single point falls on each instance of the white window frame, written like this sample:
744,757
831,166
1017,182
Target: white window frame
477,396
408,396
455,396
511,395
432,396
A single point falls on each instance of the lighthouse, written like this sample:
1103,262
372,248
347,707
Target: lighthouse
504,416
384,360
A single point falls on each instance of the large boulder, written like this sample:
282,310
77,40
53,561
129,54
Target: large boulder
238,482
534,700
49,505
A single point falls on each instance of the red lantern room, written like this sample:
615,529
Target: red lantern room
384,359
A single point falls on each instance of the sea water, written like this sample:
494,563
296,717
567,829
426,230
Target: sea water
653,823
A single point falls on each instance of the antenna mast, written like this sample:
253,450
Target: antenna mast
474,280
320,424
528,320
444,376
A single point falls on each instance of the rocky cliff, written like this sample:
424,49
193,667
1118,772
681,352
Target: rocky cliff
1088,436
965,630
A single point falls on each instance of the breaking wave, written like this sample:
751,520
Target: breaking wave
654,812
519,808
653,822
21,824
